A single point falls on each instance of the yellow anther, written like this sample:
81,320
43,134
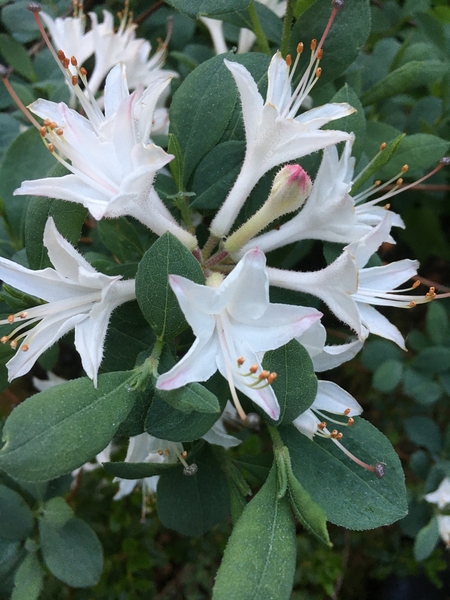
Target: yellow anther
264,374
318,72
253,368
412,304
405,168
73,61
4,339
300,47
382,146
59,131
10,319
334,433
184,454
387,206
83,71
313,44
13,344
377,182
23,314
346,412
416,284
240,361
399,181
43,131
350,421
320,54
24,347
51,148
61,55
321,426
339,436
74,79
289,60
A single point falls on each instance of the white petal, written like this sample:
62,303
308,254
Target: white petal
334,399
199,364
378,324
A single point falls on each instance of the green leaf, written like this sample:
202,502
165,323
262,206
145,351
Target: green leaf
192,396
20,21
126,470
128,335
193,504
383,158
158,303
26,158
437,322
310,514
355,122
426,540
16,520
350,496
73,552
413,74
347,35
167,423
204,8
11,555
176,165
121,238
204,105
423,431
216,174
16,56
52,432
388,375
419,151
259,560
68,217
29,579
420,387
270,23
435,359
57,512
296,383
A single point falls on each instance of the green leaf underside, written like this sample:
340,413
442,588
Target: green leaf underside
259,560
351,496
52,433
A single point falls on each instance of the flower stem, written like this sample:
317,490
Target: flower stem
257,29
287,27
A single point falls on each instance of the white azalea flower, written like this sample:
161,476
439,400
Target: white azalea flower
349,289
68,34
329,214
273,133
441,496
76,297
112,163
233,322
112,46
332,399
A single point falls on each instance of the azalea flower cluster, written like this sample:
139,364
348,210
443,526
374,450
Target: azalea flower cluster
112,163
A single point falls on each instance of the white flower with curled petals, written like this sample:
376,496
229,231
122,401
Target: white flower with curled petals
349,289
441,496
233,323
112,161
76,297
273,132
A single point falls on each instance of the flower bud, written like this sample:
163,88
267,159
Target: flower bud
291,187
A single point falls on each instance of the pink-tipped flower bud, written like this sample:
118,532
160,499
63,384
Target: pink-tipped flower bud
291,187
